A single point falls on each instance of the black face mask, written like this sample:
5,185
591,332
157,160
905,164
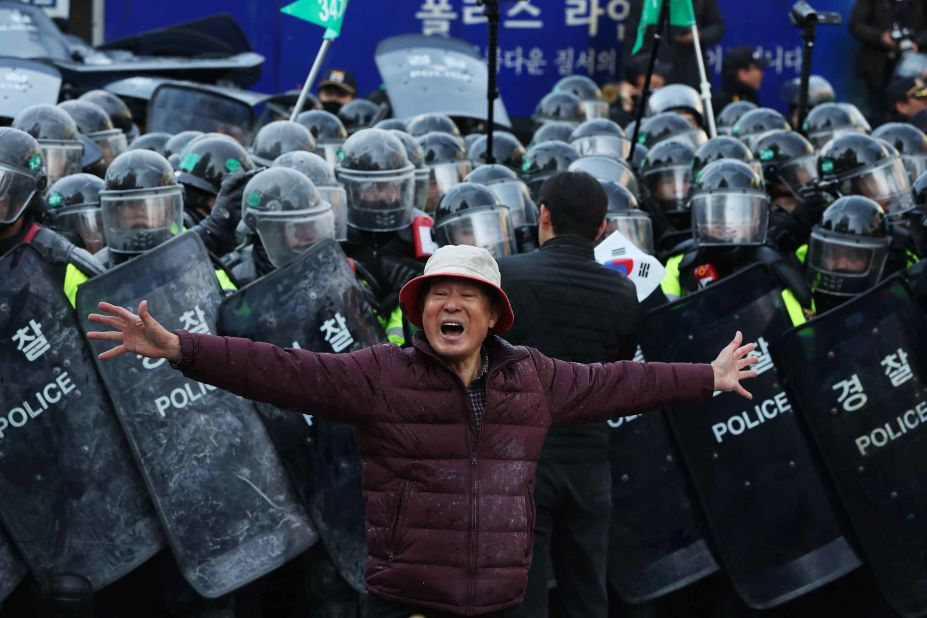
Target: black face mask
331,106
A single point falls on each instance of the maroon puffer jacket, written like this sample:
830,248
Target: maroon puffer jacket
450,514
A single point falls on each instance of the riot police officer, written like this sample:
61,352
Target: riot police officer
506,150
731,113
358,114
910,142
665,174
471,214
422,171
604,168
544,160
93,122
553,131
446,158
600,137
624,215
56,132
176,144
119,113
593,101
681,99
279,137
559,107
669,125
328,131
756,123
722,147
204,163
74,210
155,142
829,120
316,169
431,122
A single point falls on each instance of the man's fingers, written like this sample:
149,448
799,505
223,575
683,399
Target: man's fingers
744,392
746,361
125,314
143,313
112,352
746,375
744,350
109,320
105,335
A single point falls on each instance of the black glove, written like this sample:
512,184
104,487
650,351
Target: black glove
789,231
395,273
218,229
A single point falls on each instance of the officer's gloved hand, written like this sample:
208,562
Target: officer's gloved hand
395,273
789,231
218,229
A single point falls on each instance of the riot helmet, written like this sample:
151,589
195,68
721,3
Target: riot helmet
471,214
379,179
117,110
510,189
756,123
422,171
679,98
638,156
57,135
605,169
176,143
392,124
910,142
862,165
93,121
506,149
666,174
447,162
204,164
723,147
74,210
819,91
552,132
560,107
431,122
729,205
22,173
545,160
919,191
316,169
594,104
358,114
284,209
278,137
788,160
600,137
848,248
154,142
142,202
669,125
624,215
829,120
731,113
328,131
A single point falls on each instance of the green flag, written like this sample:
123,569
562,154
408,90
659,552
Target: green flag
680,14
326,13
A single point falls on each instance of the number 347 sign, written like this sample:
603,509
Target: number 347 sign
326,13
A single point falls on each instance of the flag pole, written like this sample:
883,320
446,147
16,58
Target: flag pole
657,37
313,73
705,86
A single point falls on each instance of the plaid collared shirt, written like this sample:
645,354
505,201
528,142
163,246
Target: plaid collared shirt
477,393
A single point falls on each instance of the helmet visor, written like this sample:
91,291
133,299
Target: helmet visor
820,138
915,165
61,159
379,201
608,145
490,229
330,151
725,219
139,220
595,109
112,143
633,225
514,195
85,223
338,198
286,235
422,182
443,177
798,173
669,187
886,184
696,137
16,189
844,266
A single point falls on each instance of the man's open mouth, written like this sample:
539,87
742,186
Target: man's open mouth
451,328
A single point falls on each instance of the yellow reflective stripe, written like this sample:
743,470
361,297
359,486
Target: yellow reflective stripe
394,330
912,258
225,282
802,253
73,277
796,314
670,284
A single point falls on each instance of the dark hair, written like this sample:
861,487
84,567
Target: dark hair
576,202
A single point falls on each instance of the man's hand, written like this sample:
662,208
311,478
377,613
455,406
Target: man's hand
730,364
887,40
138,334
684,38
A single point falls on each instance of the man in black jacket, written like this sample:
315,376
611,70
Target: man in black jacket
571,308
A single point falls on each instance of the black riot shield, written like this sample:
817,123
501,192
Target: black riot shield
71,499
859,374
435,74
314,303
657,538
226,505
12,568
24,83
768,509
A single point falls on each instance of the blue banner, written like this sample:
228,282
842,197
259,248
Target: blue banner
540,40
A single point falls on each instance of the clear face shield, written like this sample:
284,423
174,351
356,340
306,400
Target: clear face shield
379,201
729,219
915,165
489,229
329,150
338,198
843,266
16,189
513,194
594,108
442,177
61,158
822,137
84,222
608,145
798,173
886,184
286,235
422,183
138,220
633,225
113,143
693,136
669,187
